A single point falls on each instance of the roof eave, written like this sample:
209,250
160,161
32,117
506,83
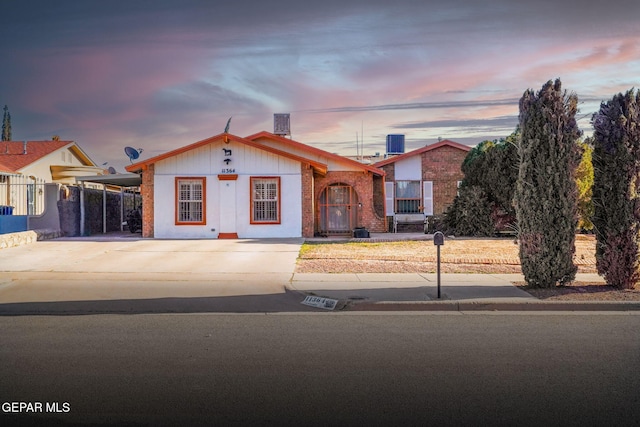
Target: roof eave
316,151
141,166
439,144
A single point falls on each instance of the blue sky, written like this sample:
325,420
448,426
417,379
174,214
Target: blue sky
162,74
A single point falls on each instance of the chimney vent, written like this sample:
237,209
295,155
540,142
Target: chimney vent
24,147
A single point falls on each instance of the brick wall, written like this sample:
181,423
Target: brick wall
443,167
69,209
390,172
146,189
378,195
363,184
308,204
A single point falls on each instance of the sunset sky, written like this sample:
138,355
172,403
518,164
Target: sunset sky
162,74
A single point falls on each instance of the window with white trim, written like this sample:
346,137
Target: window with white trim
265,200
408,197
190,201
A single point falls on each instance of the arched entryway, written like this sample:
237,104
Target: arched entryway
338,208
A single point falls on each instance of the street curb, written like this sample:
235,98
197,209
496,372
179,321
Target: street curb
494,306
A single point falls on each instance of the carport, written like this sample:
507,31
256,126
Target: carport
121,180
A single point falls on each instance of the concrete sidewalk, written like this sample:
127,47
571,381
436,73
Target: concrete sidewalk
458,292
410,286
252,275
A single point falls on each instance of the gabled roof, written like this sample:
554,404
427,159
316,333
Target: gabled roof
251,141
443,143
13,157
5,169
314,151
136,167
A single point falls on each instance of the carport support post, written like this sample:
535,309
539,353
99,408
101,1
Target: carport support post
121,208
104,209
82,209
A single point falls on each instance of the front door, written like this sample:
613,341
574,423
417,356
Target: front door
338,209
227,209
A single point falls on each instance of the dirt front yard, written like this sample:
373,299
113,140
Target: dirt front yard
468,255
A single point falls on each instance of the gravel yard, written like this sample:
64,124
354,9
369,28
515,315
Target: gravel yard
462,255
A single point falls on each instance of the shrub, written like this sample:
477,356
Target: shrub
470,213
490,172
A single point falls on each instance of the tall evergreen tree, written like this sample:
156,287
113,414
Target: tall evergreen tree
546,192
616,189
6,125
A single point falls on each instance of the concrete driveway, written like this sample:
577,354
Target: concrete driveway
128,268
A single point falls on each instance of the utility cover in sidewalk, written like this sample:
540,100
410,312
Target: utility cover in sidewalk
326,303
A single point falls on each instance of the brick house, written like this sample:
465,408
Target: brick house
423,182
263,185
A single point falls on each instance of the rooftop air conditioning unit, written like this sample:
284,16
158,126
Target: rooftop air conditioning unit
282,124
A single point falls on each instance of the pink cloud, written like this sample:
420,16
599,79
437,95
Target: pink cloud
93,87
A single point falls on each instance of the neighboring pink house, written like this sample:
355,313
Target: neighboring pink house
47,161
27,164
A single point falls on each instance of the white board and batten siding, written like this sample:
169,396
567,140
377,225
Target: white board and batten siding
409,169
246,162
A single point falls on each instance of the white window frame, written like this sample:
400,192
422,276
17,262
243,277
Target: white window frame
190,201
265,207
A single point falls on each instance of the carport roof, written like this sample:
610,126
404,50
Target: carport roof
119,179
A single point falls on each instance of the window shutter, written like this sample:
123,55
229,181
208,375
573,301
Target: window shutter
427,194
388,190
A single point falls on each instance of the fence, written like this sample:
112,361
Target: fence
21,195
117,206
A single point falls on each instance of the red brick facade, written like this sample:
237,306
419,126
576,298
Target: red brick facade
440,163
443,167
146,189
307,201
389,172
363,184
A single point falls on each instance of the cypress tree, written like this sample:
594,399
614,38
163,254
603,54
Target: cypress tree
6,125
616,163
546,192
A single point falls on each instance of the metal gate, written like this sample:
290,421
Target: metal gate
23,194
338,209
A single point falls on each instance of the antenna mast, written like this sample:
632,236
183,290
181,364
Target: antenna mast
362,136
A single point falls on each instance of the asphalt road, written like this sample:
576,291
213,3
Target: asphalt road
323,369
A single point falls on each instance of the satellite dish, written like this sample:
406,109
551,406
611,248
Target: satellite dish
132,153
112,170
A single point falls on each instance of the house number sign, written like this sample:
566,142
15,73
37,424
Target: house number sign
227,161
